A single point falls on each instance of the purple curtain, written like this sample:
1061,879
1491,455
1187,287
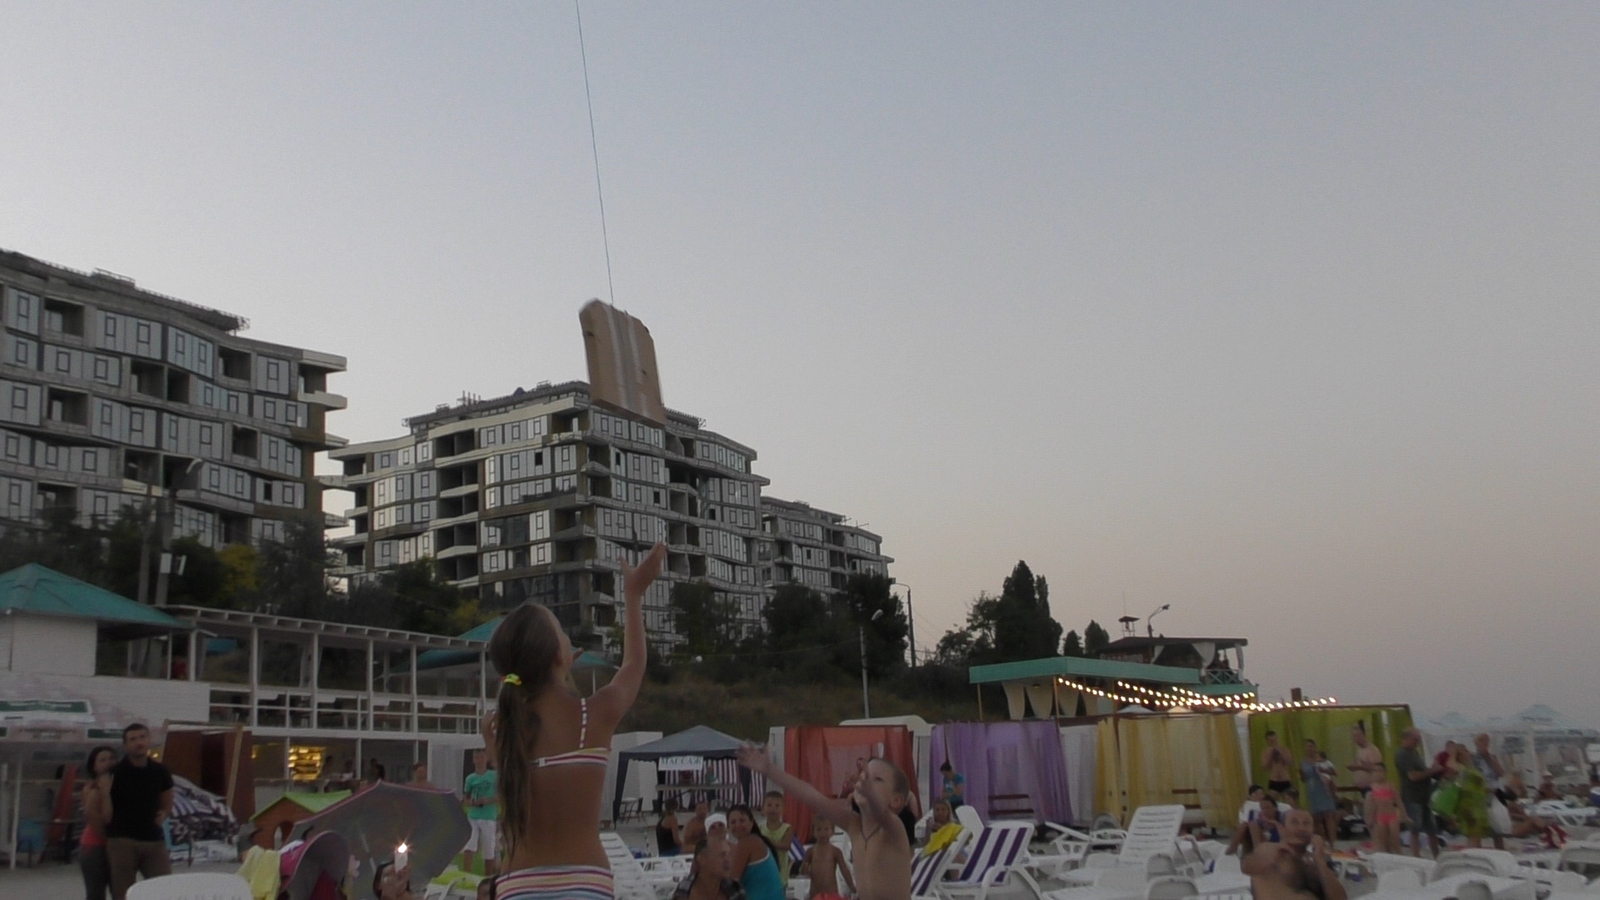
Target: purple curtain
1004,758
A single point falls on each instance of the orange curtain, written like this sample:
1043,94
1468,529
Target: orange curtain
824,756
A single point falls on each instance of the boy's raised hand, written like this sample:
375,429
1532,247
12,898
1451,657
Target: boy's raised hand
755,759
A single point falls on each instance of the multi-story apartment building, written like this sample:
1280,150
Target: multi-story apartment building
540,494
111,395
819,549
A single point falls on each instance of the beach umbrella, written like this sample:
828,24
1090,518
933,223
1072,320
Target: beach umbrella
376,821
199,815
323,857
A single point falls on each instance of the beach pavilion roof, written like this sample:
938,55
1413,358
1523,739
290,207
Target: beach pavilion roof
43,591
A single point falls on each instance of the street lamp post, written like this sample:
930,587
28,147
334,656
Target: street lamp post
1149,621
866,698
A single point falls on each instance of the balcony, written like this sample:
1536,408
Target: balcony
324,398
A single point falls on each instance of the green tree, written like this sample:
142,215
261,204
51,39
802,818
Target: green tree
203,578
954,648
294,571
707,623
241,575
803,637
1024,628
868,595
1095,639
1072,646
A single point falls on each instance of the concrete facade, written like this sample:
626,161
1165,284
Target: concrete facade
801,544
540,495
112,396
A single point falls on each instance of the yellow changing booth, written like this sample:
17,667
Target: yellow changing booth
1332,727
1157,760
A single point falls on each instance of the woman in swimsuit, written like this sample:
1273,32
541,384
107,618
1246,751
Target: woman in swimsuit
551,747
1385,811
755,861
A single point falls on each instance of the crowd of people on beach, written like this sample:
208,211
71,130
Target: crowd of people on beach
1467,791
736,854
546,748
550,746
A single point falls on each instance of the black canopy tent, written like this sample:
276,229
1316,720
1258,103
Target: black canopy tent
701,741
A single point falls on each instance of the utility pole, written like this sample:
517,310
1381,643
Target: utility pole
866,698
144,551
911,624
911,628
165,509
164,529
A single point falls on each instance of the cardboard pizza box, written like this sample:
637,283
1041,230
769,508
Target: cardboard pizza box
622,362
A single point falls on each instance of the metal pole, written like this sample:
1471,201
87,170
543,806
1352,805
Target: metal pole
144,551
164,529
416,725
911,627
866,699
16,812
370,720
255,678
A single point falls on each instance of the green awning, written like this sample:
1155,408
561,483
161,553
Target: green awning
36,589
438,659
311,802
1083,667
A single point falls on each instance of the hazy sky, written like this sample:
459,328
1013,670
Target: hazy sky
1283,314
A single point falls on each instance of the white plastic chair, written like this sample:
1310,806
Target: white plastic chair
1171,887
191,886
969,818
996,864
1153,830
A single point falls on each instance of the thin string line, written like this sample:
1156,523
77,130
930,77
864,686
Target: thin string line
594,147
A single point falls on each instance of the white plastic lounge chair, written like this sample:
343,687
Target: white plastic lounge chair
629,876
996,865
191,886
1473,862
1070,846
928,868
1171,887
1582,858
969,818
1153,830
1120,882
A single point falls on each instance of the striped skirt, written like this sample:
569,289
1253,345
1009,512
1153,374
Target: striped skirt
556,883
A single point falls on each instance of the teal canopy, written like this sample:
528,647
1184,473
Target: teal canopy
45,592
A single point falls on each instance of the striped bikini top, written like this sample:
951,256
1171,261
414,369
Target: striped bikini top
584,756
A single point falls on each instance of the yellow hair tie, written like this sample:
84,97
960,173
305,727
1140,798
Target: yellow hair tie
514,678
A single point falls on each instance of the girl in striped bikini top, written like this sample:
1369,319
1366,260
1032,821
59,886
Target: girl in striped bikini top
550,746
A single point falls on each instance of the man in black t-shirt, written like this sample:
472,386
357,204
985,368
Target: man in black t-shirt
141,800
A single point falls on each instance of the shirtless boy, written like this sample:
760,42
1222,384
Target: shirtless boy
878,842
823,861
1296,868
1278,763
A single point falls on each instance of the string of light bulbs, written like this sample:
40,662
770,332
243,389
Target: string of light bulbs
1175,696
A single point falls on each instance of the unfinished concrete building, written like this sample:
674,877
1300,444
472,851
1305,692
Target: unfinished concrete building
112,396
801,544
539,495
